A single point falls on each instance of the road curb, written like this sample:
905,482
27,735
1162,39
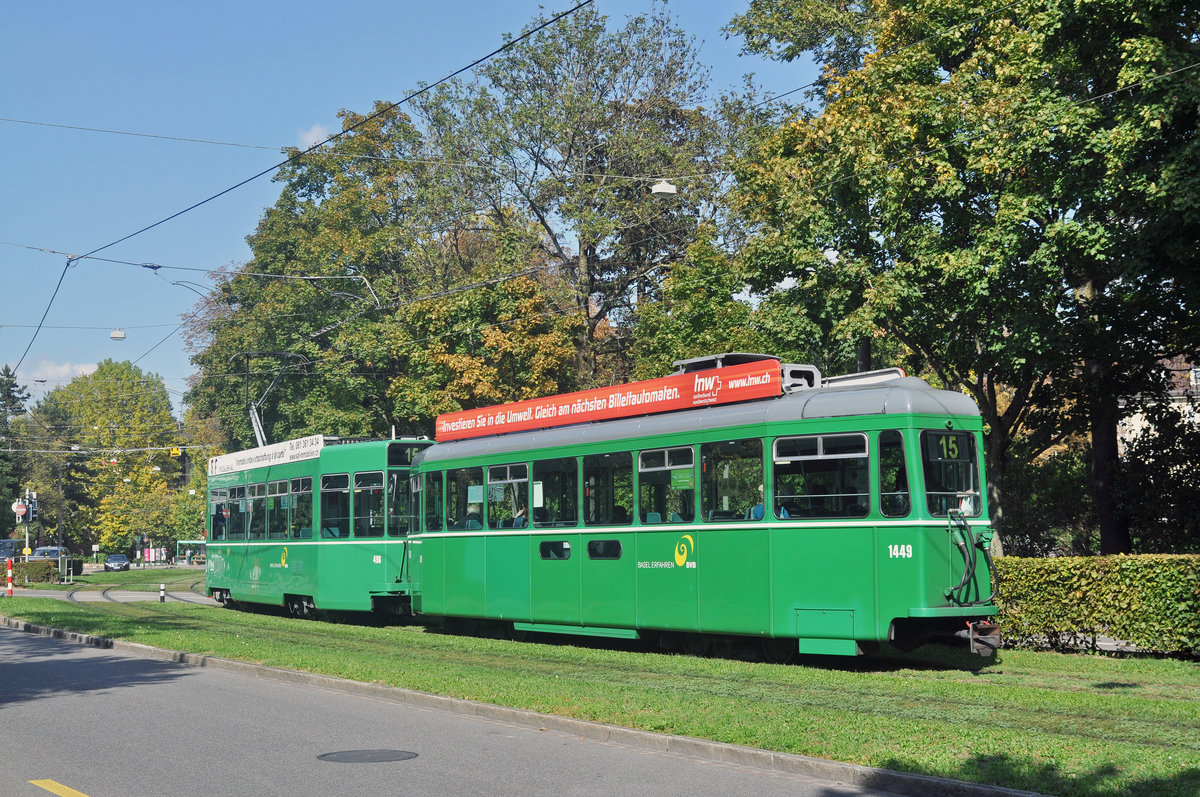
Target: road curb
720,752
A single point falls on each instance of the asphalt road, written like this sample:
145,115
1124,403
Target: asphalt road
108,724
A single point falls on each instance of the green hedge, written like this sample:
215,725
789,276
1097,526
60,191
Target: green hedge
43,571
1066,603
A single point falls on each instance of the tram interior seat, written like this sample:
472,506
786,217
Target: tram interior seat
470,522
728,514
676,517
540,515
653,517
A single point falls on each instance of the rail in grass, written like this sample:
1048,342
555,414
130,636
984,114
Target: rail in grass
820,516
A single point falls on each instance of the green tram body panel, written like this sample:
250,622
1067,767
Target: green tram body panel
830,583
347,573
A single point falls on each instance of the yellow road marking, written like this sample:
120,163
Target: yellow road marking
57,788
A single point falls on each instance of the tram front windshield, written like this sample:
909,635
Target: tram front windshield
951,473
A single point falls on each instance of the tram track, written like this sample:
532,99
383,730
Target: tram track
194,594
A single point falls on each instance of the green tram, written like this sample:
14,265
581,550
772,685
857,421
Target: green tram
309,523
829,517
817,515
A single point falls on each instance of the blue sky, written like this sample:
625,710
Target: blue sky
268,74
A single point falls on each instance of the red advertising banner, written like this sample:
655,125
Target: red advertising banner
754,380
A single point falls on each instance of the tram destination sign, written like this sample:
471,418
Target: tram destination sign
274,454
760,379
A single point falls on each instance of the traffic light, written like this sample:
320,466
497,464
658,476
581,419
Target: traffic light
31,512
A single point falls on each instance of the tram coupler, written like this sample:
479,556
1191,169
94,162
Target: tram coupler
983,637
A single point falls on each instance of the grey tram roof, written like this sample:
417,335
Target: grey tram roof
900,396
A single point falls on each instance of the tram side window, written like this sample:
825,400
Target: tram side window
368,504
258,511
401,518
278,507
821,476
608,489
555,492
894,500
951,474
464,498
667,485
335,506
433,501
235,510
508,496
302,508
216,513
732,481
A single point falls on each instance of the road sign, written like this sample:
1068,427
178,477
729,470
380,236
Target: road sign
18,508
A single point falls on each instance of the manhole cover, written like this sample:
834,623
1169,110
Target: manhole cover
366,756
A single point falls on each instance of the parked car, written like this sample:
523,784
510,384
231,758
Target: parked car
116,561
48,552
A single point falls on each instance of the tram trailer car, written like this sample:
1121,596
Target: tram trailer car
873,527
312,523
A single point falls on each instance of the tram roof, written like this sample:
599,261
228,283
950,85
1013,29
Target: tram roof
900,396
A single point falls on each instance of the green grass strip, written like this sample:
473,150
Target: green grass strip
1056,724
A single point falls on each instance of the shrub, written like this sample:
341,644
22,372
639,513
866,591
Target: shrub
44,571
1149,601
36,572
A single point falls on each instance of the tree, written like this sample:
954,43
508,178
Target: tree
572,126
1161,462
993,184
12,406
697,314
836,34
492,247
102,435
396,312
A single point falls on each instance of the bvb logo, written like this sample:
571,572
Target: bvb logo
283,558
683,549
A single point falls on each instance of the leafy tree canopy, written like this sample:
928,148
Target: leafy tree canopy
98,446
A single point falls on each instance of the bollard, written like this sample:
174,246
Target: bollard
162,593
9,578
